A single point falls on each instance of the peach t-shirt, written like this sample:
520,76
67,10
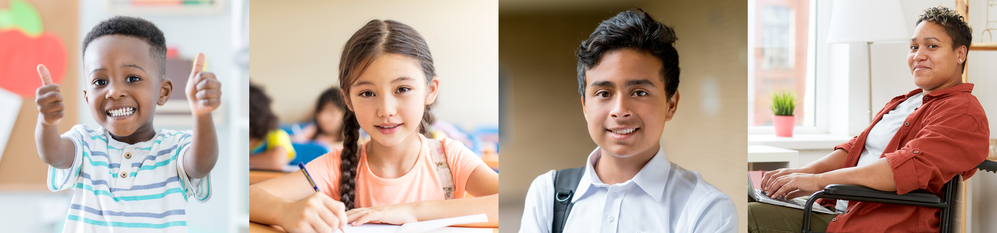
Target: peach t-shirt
420,184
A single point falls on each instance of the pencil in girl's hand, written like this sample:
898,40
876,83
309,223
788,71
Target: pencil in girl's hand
310,181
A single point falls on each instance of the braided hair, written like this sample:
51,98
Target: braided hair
376,38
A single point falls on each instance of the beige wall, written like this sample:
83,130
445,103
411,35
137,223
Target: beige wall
297,45
543,122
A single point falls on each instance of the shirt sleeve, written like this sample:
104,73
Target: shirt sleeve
325,172
199,189
717,214
62,179
847,145
462,162
280,138
538,209
948,144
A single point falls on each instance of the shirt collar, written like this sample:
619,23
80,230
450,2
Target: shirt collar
965,87
652,178
121,145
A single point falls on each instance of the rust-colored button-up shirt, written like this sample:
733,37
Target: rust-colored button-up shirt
946,136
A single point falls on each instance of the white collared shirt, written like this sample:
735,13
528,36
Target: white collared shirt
662,197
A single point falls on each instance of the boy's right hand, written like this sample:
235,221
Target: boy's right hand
48,99
315,213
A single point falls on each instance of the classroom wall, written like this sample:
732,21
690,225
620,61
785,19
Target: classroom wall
299,43
542,117
20,167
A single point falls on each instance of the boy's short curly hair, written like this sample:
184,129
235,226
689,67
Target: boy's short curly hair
634,29
135,27
953,23
261,120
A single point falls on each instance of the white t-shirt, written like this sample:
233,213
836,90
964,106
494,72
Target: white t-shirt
662,197
881,134
119,187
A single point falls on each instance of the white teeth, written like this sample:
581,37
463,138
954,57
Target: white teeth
387,127
121,112
624,131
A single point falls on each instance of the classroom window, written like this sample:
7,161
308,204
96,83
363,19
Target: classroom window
780,57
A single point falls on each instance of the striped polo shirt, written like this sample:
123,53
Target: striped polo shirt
120,187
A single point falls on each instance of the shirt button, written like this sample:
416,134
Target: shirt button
124,175
610,218
834,219
906,123
925,98
616,195
916,152
128,155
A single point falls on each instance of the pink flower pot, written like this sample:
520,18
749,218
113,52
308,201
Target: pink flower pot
783,125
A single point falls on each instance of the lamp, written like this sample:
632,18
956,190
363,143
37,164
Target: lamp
867,21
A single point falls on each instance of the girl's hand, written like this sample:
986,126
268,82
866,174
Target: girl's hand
315,213
795,185
391,214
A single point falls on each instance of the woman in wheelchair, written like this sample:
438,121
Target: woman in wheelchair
919,140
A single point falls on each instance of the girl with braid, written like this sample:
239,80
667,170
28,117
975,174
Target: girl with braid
389,83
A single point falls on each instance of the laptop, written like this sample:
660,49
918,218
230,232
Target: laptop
796,203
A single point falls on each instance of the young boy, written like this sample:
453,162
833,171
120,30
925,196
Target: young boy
126,176
628,79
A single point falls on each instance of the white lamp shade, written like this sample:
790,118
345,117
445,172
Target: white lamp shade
867,21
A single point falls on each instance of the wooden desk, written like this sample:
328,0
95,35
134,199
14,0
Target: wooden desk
256,176
260,228
767,154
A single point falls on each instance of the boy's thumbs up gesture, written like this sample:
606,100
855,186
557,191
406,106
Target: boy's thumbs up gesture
48,99
204,91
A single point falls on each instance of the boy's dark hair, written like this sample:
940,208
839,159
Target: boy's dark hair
953,23
261,120
634,29
135,27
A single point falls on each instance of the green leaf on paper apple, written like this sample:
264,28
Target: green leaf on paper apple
20,54
22,16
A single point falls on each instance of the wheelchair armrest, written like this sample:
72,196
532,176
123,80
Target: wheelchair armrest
919,196
988,165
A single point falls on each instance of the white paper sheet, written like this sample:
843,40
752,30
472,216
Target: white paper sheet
439,225
10,105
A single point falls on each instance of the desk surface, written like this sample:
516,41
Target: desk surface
763,153
260,228
256,176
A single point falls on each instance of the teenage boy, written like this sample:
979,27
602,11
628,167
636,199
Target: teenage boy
628,78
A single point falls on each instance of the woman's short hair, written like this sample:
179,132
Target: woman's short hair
954,24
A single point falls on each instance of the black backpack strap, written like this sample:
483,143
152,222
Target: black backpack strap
565,182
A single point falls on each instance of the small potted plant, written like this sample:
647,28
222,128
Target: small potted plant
783,105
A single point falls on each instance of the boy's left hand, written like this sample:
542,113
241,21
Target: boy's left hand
204,91
390,214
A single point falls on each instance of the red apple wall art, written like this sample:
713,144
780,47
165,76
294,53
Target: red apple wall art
23,45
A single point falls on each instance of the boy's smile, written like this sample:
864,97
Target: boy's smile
625,103
123,86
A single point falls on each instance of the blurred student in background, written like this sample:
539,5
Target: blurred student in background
326,127
269,146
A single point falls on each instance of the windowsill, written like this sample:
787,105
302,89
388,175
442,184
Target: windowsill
799,141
